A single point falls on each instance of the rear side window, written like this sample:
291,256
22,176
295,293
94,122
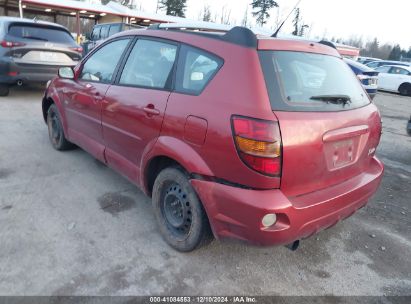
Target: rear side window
195,70
114,29
149,64
374,65
96,33
101,65
298,81
400,71
104,31
40,33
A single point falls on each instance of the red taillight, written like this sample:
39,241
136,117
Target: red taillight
77,49
258,143
10,44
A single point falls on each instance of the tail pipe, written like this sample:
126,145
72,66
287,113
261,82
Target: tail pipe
19,82
294,245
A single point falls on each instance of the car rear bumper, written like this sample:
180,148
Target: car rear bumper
11,72
237,213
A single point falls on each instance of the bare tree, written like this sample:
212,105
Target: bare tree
225,15
245,22
205,14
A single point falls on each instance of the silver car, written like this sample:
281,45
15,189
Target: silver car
33,51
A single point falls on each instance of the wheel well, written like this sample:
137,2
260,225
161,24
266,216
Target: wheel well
404,84
156,165
45,107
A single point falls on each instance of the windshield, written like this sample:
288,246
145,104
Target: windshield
299,81
40,33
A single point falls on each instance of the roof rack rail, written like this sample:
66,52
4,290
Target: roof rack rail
233,34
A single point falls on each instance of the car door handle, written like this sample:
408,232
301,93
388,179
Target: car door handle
149,109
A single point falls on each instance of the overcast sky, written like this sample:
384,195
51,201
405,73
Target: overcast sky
387,20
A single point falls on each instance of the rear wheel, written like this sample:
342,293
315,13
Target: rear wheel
405,89
180,215
4,89
56,132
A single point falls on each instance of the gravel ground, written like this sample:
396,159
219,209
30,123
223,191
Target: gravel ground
71,226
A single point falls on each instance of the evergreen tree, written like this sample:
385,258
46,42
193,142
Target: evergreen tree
296,22
206,14
299,26
395,53
261,10
174,7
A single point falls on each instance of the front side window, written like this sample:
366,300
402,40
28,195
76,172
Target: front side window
149,64
383,69
101,65
196,68
310,82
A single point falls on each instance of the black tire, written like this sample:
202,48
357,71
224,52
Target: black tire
56,133
180,215
405,89
4,90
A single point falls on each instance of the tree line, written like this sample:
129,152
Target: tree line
374,48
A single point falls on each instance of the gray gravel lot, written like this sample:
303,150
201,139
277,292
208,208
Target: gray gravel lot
71,226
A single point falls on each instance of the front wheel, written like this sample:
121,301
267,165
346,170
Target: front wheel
180,215
56,133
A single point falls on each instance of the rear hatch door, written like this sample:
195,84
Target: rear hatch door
329,127
42,44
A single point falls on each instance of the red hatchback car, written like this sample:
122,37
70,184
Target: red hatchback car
261,139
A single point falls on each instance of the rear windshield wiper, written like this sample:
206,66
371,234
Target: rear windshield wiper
335,99
35,38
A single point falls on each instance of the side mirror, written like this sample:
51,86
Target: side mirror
66,73
88,36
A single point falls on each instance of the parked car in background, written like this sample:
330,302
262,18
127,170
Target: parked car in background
103,31
376,64
395,79
33,51
367,76
226,130
365,60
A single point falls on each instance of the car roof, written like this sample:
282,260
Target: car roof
238,35
405,67
8,20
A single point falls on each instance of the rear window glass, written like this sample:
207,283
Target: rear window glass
40,33
298,81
